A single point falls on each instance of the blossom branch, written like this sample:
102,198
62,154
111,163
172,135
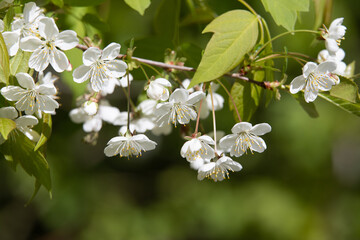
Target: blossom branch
184,68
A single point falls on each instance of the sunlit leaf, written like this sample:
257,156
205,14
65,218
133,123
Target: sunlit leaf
284,12
235,34
4,62
21,149
246,97
46,131
347,89
19,63
138,5
353,108
6,126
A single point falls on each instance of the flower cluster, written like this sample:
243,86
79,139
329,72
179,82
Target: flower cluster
322,77
27,95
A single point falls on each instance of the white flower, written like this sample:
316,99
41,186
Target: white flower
93,123
127,146
157,89
23,123
315,78
46,51
108,87
23,27
179,108
186,84
334,35
48,78
218,170
245,136
90,107
338,56
198,147
100,66
1,25
31,98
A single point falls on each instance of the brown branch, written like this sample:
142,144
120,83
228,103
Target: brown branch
184,68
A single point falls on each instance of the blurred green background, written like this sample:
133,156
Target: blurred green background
305,186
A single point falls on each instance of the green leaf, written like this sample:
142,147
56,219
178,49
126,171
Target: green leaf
21,149
94,21
138,5
19,63
245,96
235,34
83,3
309,108
6,126
166,21
59,3
46,131
4,62
347,90
353,108
284,12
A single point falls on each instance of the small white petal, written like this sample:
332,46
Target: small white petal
179,96
66,40
260,129
8,112
30,43
12,93
297,84
48,28
309,68
25,80
241,127
58,60
91,55
195,97
92,125
39,59
326,67
81,74
117,68
111,51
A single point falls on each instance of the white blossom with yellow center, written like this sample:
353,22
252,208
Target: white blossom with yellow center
100,66
180,107
245,136
315,78
218,170
198,147
30,97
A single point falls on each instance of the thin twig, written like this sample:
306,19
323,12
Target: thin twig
182,68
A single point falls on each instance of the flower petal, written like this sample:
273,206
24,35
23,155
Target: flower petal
91,55
8,112
257,144
117,68
48,28
31,12
297,84
260,129
81,74
108,113
12,42
47,104
39,59
111,51
309,68
46,89
228,141
26,121
241,127
179,96
326,67
92,125
30,43
66,40
310,94
25,80
195,97
58,60
207,139
331,45
12,93
78,115
163,81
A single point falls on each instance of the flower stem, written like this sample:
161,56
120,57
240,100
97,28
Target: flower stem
128,103
199,111
213,115
231,98
283,34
